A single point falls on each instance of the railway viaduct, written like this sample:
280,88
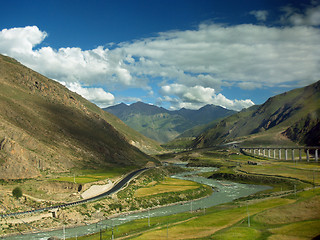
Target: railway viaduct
285,153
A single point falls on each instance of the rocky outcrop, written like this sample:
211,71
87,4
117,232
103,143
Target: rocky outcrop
16,161
60,187
306,131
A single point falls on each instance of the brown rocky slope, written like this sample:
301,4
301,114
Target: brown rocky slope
44,128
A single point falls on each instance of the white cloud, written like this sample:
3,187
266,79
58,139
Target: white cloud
196,94
235,104
96,95
260,15
243,53
310,16
65,64
195,97
201,60
20,41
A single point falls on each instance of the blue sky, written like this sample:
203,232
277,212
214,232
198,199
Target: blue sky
175,54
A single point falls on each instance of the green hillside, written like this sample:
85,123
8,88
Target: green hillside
163,125
46,128
288,118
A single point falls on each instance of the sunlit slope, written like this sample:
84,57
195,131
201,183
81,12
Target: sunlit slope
291,116
46,128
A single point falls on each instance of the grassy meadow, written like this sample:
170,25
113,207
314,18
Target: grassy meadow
90,175
168,185
294,216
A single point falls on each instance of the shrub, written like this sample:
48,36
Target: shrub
17,192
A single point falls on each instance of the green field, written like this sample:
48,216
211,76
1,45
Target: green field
300,171
168,185
230,221
87,176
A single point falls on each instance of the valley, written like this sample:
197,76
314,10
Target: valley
163,125
293,185
205,181
279,213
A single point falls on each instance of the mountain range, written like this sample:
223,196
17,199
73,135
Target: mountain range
45,128
289,118
163,125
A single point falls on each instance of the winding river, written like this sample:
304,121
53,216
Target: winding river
225,191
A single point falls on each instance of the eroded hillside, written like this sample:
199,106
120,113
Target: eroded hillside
44,127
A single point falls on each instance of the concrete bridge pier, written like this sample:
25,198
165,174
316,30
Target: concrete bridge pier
293,155
300,158
279,154
308,156
316,155
286,154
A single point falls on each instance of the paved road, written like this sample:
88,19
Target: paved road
114,189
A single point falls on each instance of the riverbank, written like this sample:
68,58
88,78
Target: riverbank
227,193
235,165
90,222
119,218
85,214
255,219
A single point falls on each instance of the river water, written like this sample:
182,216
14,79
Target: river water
225,191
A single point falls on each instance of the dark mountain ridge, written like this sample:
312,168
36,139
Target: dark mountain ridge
204,114
122,110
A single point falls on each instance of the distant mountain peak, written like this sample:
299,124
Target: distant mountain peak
138,103
164,125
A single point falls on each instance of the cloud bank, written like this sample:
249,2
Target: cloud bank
293,16
185,68
194,97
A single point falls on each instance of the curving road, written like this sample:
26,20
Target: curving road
114,189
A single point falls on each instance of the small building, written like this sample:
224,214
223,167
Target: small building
54,212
